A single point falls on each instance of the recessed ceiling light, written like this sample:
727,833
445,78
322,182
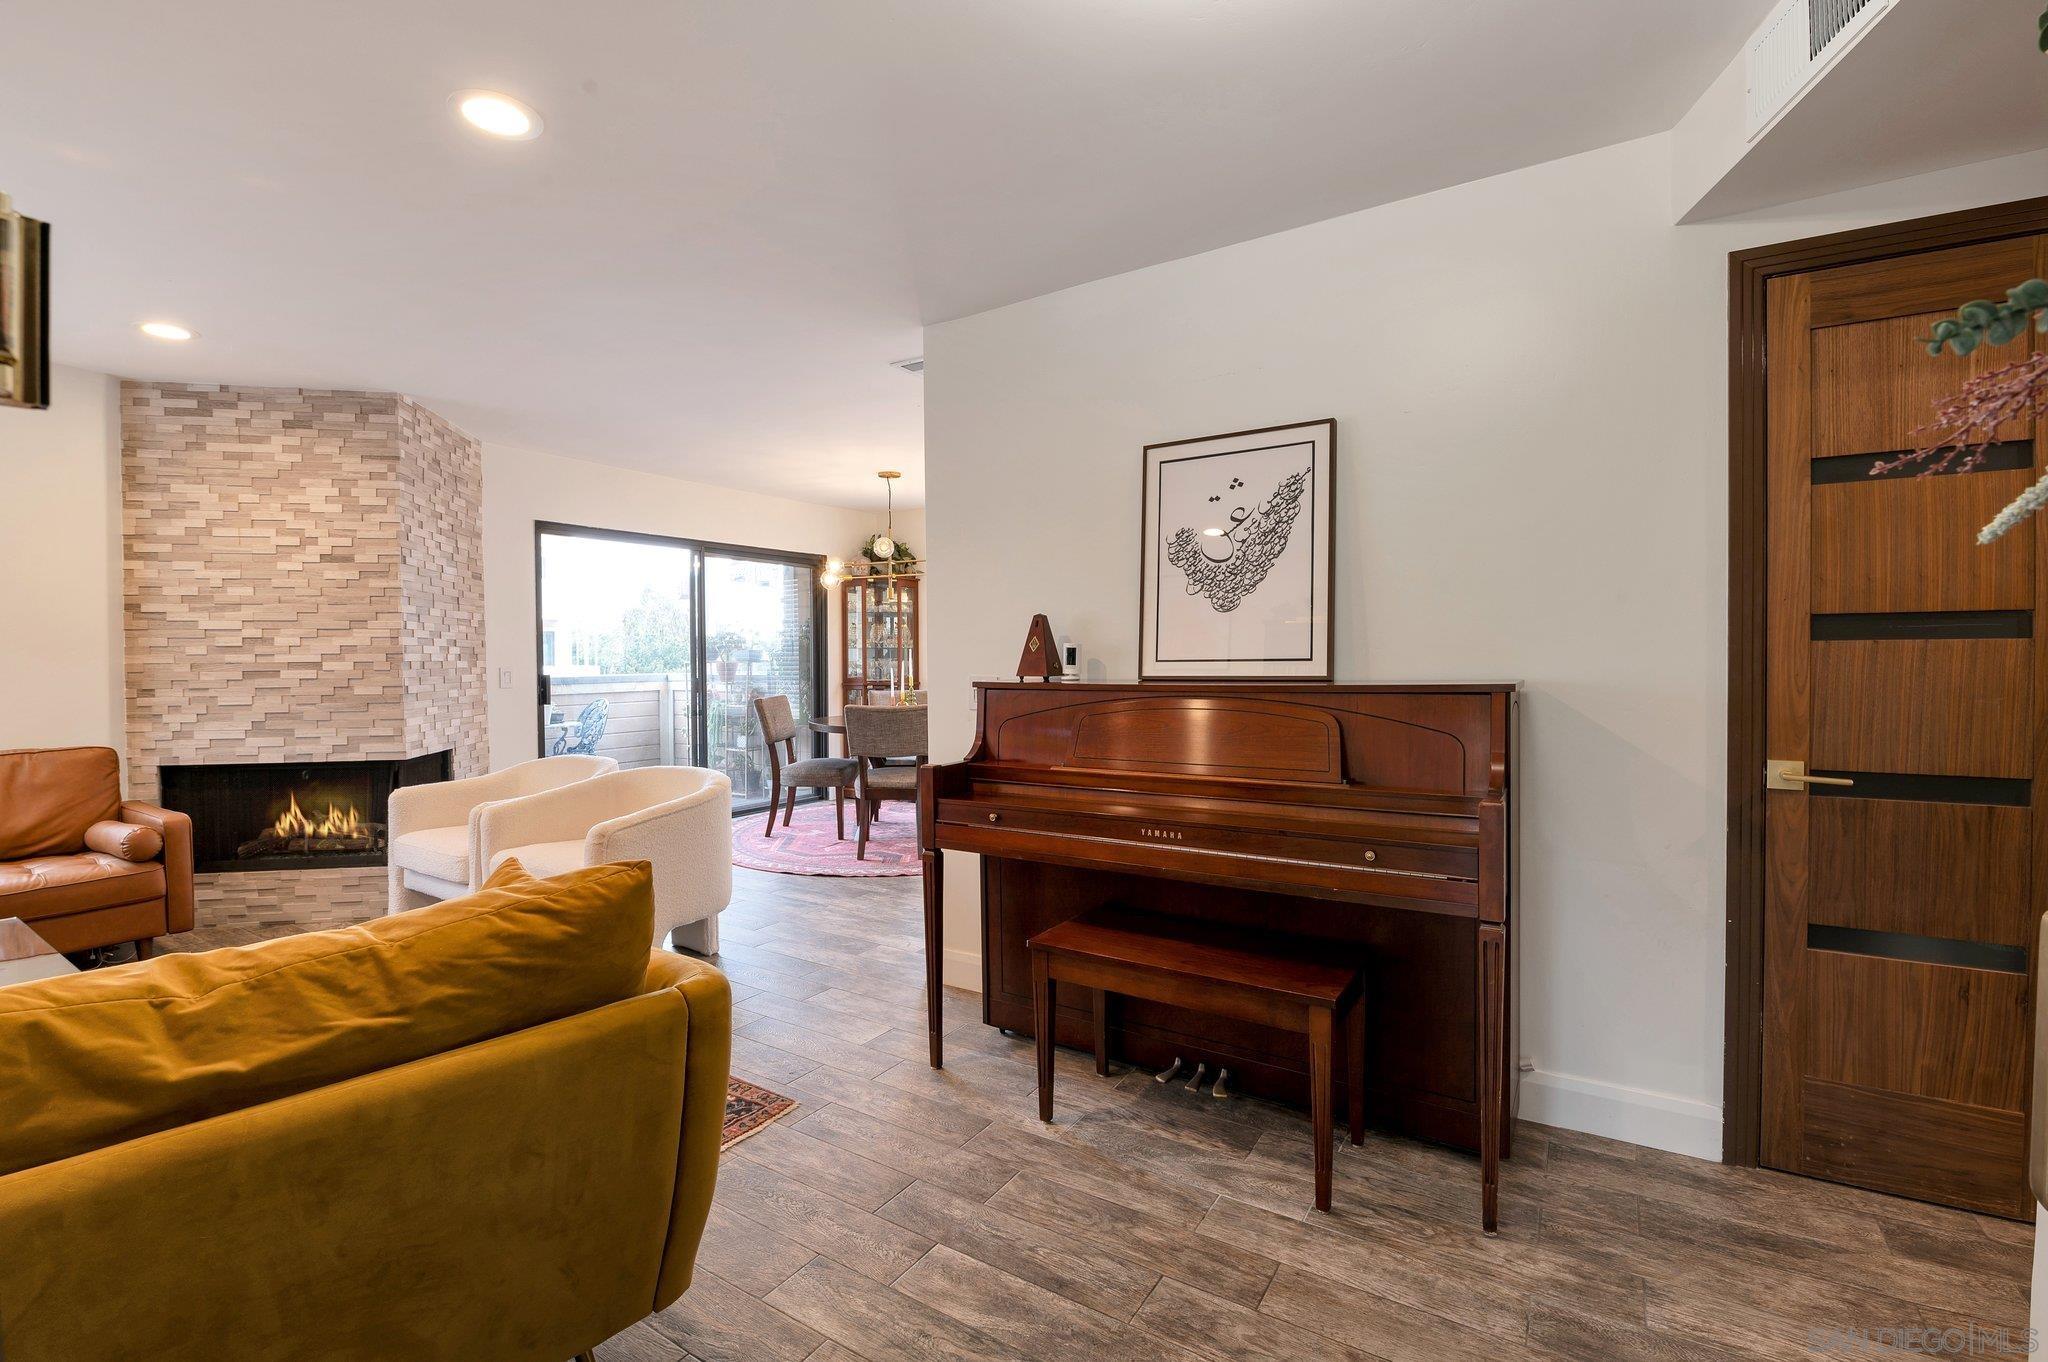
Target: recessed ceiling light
169,331
499,115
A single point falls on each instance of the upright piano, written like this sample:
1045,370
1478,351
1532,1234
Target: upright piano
1377,816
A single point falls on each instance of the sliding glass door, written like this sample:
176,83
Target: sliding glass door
653,650
760,638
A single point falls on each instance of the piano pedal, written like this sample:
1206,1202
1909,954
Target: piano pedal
1195,1084
1222,1088
1168,1074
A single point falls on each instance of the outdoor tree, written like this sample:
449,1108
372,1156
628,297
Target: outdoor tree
653,636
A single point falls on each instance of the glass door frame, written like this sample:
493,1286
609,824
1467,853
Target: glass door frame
700,549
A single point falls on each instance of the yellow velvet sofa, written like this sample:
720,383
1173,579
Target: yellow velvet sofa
486,1131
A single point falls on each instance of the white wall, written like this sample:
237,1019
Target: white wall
521,487
1529,376
60,566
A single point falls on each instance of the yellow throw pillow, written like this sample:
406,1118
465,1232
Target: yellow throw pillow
93,1059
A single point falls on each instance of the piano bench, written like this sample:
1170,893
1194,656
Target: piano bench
1293,986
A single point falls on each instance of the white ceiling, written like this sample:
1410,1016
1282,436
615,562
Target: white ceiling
741,211
1918,92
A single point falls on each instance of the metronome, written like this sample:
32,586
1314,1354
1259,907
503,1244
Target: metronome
1041,657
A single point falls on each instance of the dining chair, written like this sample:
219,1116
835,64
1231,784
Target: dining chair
873,734
778,728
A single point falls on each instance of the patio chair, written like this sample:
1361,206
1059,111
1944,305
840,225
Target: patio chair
589,731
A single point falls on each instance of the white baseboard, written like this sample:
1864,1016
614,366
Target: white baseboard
961,969
1680,1125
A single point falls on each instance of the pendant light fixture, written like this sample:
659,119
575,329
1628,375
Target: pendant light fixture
886,574
886,557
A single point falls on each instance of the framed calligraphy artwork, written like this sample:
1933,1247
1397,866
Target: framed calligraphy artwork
1237,559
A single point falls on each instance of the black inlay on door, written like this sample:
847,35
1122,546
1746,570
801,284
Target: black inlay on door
1999,458
1928,789
1926,624
1924,950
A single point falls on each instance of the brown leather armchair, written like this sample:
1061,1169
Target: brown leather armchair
81,865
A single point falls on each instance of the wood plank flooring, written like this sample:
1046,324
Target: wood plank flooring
903,1213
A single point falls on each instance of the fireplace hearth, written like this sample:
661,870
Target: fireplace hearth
292,815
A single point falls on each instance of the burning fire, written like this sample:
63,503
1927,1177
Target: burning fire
337,823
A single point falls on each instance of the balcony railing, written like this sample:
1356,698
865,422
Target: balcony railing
649,722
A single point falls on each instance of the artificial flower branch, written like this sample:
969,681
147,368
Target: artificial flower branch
1966,424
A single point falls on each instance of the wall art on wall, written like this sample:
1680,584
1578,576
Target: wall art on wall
24,309
1236,571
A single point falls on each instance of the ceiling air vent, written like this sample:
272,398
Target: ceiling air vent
1799,40
1825,20
913,365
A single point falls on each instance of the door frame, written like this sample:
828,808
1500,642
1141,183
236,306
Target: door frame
1749,276
820,602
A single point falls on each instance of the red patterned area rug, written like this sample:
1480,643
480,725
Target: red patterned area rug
748,1109
810,846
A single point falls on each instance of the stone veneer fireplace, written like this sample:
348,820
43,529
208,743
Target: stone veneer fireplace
304,631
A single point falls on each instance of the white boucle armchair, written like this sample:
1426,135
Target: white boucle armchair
678,818
431,829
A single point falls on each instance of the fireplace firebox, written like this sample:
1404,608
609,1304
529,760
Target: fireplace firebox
292,815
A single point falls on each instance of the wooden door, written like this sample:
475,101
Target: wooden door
1903,657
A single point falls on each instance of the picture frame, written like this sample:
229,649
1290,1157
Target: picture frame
24,309
1237,556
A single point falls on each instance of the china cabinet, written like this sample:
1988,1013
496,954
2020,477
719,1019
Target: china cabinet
878,618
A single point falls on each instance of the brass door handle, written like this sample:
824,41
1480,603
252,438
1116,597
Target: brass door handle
994,817
1791,775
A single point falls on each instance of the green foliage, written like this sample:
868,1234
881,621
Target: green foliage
1984,322
725,646
2044,30
654,636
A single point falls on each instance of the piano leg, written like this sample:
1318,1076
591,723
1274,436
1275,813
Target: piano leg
1492,1067
1102,1032
1354,1067
934,949
1321,1044
1043,992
